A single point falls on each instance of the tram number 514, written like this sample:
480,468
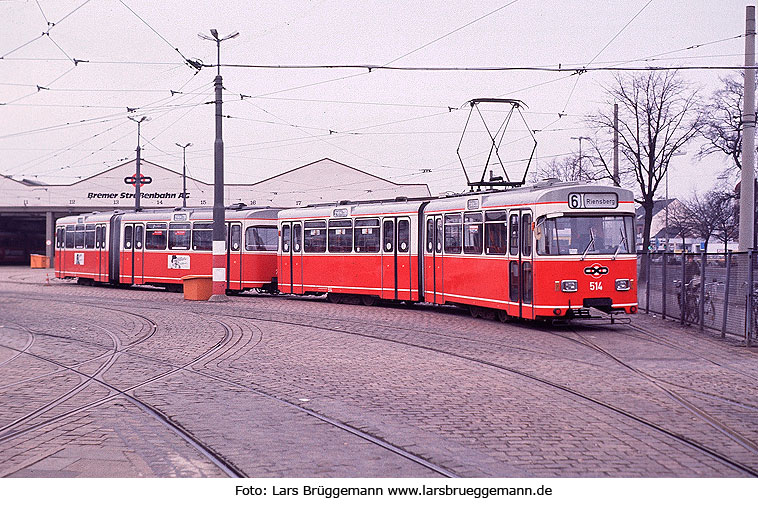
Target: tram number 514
596,285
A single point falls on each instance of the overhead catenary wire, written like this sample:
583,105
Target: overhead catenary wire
186,60
50,26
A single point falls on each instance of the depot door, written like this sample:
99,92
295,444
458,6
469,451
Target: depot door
520,276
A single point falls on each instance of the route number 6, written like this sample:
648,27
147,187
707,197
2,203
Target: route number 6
575,201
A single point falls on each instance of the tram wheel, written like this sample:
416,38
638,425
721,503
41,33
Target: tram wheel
503,316
368,300
334,298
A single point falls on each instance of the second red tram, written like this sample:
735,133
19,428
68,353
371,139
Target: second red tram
160,247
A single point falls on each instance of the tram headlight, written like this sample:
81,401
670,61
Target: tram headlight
623,285
569,285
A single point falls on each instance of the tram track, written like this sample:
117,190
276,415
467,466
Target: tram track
206,450
699,413
724,459
702,448
219,460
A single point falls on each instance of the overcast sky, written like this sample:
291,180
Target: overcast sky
395,124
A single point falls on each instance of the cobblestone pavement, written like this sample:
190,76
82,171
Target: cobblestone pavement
291,387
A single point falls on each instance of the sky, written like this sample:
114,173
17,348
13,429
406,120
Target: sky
71,68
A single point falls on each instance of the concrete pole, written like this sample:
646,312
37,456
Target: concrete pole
616,180
747,188
219,232
219,229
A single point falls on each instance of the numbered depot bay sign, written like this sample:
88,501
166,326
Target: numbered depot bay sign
593,200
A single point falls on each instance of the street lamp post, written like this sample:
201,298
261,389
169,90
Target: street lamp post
138,175
219,235
184,171
580,138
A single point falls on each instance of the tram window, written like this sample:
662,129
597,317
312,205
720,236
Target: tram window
366,235
297,237
236,237
202,236
340,236
79,237
526,234
89,237
70,236
264,238
496,232
438,235
403,235
389,236
286,238
472,233
514,234
155,237
128,230
579,235
526,271
315,236
98,236
429,235
453,233
139,231
60,237
179,236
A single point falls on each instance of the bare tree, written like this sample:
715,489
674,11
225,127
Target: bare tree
681,221
728,223
657,116
561,168
722,120
705,213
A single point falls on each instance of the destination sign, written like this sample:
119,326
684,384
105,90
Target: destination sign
593,200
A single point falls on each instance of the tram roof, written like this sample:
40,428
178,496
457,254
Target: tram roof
200,213
540,193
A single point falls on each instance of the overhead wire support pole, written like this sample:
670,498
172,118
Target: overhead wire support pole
184,172
747,185
138,173
219,231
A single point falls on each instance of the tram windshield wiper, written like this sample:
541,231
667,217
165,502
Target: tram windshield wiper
589,245
621,242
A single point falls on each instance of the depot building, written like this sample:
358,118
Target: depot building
28,209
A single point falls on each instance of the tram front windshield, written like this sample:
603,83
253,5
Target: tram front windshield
580,235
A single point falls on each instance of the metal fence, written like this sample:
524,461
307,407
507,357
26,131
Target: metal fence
716,290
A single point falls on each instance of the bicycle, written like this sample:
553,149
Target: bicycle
691,306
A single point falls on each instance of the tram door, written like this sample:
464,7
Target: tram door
433,281
101,271
234,256
520,285
291,266
133,253
396,258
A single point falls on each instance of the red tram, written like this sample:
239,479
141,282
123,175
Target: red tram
546,251
160,247
552,250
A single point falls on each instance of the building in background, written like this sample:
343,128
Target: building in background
28,209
